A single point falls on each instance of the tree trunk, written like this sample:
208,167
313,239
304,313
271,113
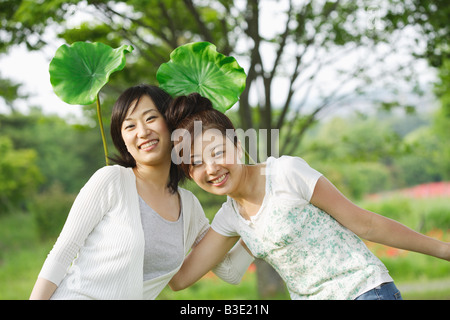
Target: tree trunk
270,284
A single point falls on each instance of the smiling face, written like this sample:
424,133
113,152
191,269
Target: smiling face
145,133
215,163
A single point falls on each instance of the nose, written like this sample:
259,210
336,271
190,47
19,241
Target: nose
143,131
211,167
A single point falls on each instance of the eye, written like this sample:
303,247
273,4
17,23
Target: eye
150,118
196,162
128,126
219,153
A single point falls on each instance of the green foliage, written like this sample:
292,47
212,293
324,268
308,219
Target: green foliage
313,36
9,91
433,216
50,210
426,161
93,32
362,154
441,119
356,179
19,175
429,216
198,67
79,71
416,267
431,20
355,139
399,209
316,29
64,153
422,215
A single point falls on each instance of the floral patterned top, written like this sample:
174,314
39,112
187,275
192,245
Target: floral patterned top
317,257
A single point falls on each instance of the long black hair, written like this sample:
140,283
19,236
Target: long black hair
161,99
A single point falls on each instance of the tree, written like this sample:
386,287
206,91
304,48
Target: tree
319,55
430,19
9,91
310,40
442,117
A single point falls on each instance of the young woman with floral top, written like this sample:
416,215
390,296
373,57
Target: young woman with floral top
287,214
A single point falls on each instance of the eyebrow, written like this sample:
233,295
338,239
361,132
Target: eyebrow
216,146
143,114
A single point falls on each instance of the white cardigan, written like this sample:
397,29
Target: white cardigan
103,232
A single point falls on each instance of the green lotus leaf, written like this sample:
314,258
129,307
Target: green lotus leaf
198,67
79,71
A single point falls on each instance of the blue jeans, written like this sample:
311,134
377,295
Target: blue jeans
385,291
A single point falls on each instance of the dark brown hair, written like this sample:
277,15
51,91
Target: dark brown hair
185,110
161,99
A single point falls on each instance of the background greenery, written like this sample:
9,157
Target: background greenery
372,125
386,144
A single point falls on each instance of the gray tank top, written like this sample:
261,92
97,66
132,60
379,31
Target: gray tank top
164,249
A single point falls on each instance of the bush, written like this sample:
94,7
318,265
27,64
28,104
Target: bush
50,210
399,209
19,175
422,215
437,217
356,179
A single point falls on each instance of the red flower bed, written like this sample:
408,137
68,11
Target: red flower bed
421,191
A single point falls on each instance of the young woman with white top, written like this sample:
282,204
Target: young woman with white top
131,226
287,214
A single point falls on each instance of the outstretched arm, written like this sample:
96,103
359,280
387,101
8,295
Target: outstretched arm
203,257
374,227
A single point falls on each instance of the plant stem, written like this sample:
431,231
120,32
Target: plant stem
100,121
247,157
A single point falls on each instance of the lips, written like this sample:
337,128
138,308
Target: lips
148,145
220,180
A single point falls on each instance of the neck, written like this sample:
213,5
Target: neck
156,177
252,189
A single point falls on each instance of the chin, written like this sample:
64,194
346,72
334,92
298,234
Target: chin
154,160
217,192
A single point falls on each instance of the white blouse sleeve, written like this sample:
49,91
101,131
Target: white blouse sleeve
235,263
93,201
295,176
225,221
237,260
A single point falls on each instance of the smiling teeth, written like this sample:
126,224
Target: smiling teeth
219,180
149,144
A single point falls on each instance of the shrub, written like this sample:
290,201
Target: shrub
399,209
19,175
437,217
50,210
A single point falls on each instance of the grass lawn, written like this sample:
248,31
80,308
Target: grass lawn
22,254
